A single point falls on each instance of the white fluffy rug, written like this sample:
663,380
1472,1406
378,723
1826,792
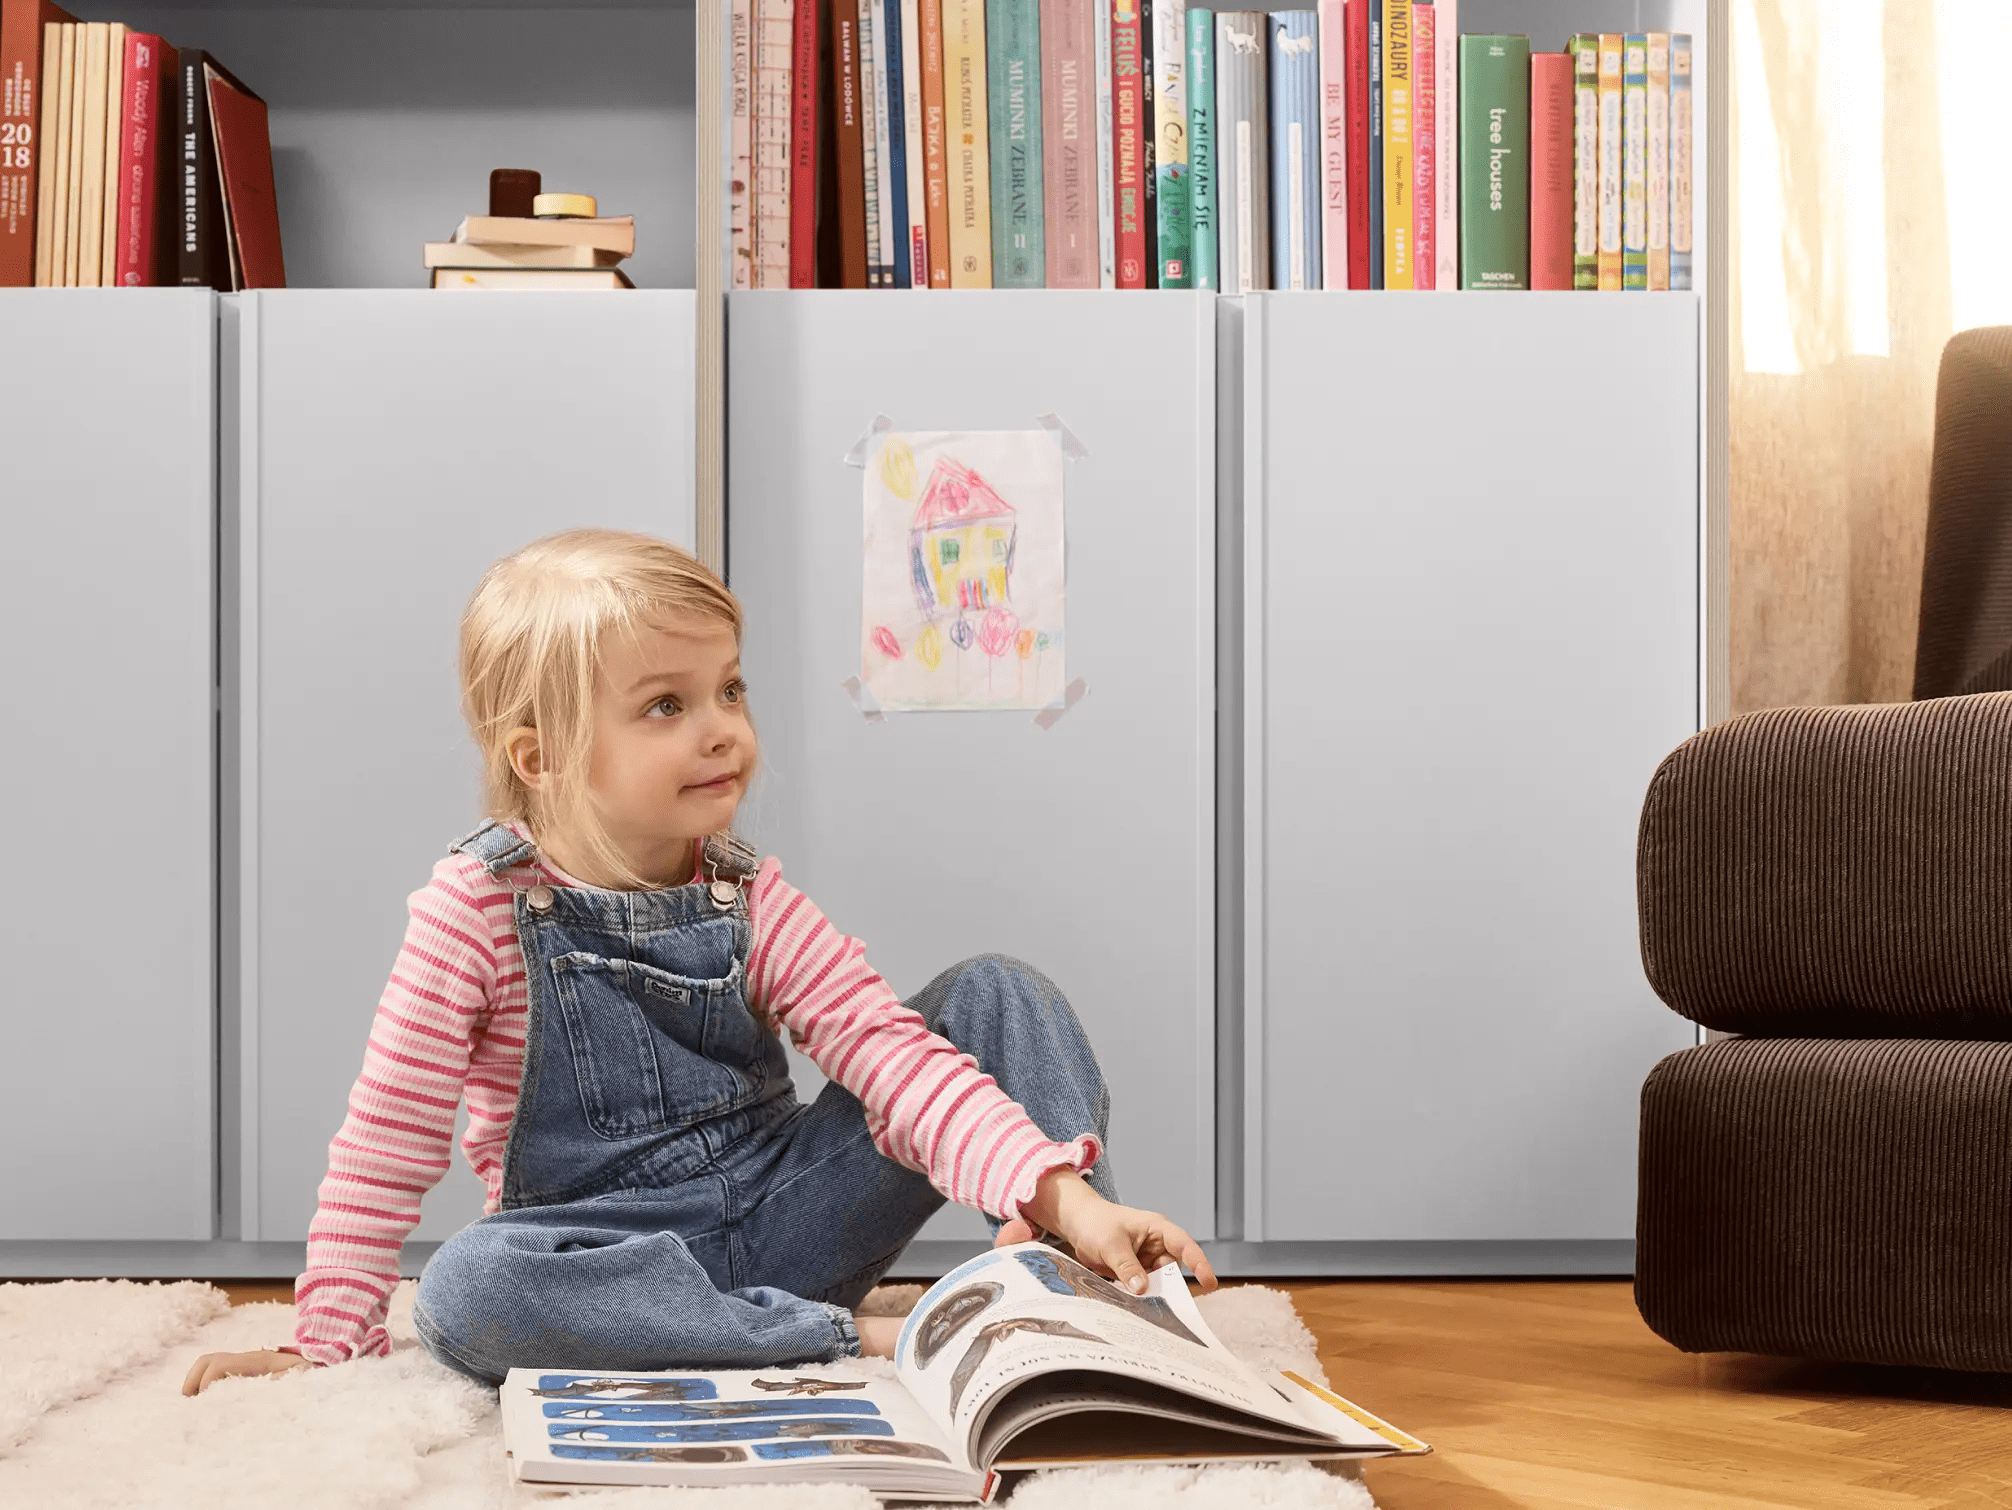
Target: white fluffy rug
91,1415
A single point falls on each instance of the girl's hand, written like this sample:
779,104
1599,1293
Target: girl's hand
1119,1242
214,1366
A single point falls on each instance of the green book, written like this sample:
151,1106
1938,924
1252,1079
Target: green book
1635,161
1585,51
1172,171
1494,162
1013,94
1202,146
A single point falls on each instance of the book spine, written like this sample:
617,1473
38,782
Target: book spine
848,132
1294,88
1585,52
1424,144
1446,144
115,114
970,152
1149,178
91,211
1635,162
139,153
23,34
775,36
873,143
894,207
916,188
1243,120
803,145
1608,253
1355,20
45,149
1397,186
1659,160
1680,160
935,144
1376,129
1173,172
1107,168
1494,162
62,270
79,66
1068,160
1201,86
1127,127
1551,172
740,208
1013,87
1333,144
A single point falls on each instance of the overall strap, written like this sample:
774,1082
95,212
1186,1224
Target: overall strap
728,857
496,846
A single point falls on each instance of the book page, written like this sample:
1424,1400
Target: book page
1020,1312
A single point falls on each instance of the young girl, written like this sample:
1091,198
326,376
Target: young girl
603,970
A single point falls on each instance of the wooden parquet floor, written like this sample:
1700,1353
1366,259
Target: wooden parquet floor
1552,1395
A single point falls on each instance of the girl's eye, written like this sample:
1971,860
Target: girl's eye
673,706
736,691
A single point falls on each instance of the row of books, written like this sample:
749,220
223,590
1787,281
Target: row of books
1149,143
125,162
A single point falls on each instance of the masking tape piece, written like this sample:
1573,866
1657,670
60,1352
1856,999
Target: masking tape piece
864,700
1072,694
1072,448
863,447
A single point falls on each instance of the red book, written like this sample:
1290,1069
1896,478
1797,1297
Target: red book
1128,180
1424,151
803,147
1550,170
1357,22
143,114
21,23
244,163
935,145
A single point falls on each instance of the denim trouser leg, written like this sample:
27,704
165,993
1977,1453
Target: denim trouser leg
835,1213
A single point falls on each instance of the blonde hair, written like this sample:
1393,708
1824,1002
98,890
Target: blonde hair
531,656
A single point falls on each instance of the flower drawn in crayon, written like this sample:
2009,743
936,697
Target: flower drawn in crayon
961,634
929,647
1024,643
897,467
995,630
885,642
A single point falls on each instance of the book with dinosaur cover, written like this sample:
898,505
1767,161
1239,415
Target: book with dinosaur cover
1019,1359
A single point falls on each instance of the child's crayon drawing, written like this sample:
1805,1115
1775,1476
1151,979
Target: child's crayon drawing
722,1431
961,603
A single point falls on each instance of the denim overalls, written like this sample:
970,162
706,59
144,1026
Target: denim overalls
666,1199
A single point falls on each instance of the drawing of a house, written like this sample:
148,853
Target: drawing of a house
960,548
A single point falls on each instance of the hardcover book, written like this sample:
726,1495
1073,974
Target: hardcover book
1397,166
1107,168
848,146
535,279
1659,160
1068,154
1494,162
935,143
244,164
1172,172
1201,86
115,97
1680,160
915,185
1551,173
1020,1358
1376,129
1149,177
87,227
740,178
1243,163
1635,162
873,144
1609,250
1424,144
1333,33
27,112
62,84
615,234
970,146
1355,22
204,259
1446,143
803,144
142,142
1294,89
1013,91
1128,129
774,39
894,129
1585,53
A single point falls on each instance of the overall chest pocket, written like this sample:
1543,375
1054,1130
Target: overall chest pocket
654,1051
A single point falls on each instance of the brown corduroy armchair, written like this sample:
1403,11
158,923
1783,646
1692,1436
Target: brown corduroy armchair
1963,640
1834,887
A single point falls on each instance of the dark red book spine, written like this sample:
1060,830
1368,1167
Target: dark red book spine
803,148
1128,127
244,157
142,114
1356,21
1551,170
850,148
21,159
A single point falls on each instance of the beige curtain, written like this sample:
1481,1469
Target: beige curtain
1828,465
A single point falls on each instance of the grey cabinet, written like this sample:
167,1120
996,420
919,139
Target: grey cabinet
1085,847
382,449
107,1091
1470,585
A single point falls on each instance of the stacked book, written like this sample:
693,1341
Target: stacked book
535,252
1153,144
126,163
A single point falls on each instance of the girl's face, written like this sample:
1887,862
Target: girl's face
673,748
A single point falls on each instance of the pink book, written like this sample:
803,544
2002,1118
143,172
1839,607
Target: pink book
1424,148
1333,145
1068,142
140,142
1551,170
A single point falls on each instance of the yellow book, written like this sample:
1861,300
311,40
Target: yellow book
969,141
115,100
45,155
1610,162
64,267
1398,72
91,180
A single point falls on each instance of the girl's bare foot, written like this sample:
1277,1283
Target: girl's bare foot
878,1334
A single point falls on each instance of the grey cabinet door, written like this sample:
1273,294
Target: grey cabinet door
1471,633
384,448
1086,847
107,1087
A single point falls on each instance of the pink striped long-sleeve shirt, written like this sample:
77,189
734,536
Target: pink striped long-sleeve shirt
452,1022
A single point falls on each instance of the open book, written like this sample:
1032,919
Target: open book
1021,1358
